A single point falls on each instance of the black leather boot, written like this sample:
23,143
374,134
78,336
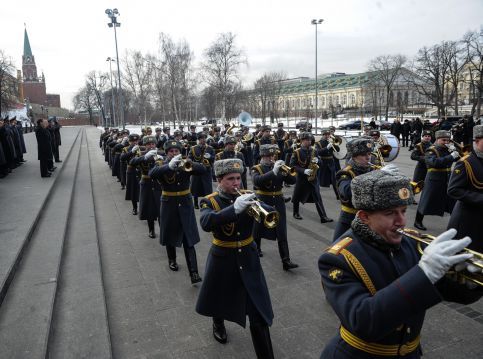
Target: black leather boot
190,255
418,222
285,256
219,331
261,341
321,211
171,251
296,213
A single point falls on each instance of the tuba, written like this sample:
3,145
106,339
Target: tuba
423,238
260,214
386,149
244,118
314,167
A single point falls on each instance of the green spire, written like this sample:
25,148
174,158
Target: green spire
27,51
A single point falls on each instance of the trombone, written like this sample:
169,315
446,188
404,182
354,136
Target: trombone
260,214
423,238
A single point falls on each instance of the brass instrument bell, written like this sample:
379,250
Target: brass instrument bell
261,215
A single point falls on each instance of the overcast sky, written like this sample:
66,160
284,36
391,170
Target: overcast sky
71,38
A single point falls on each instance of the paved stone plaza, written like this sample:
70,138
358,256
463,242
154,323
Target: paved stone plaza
138,308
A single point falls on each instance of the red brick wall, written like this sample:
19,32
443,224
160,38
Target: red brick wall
35,92
53,100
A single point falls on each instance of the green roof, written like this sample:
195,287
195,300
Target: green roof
327,83
27,51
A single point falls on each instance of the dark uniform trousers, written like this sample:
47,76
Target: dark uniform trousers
419,154
347,211
466,187
380,295
177,221
202,185
132,180
268,188
234,154
306,191
327,165
234,285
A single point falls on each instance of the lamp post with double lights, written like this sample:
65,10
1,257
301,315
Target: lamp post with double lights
113,112
113,14
316,22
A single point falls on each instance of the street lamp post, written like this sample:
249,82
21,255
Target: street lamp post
113,112
316,22
113,14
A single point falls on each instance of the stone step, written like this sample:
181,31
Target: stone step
79,325
26,311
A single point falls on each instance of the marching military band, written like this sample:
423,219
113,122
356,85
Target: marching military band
168,177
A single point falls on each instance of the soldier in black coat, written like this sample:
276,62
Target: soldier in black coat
149,190
434,198
289,146
229,152
419,154
204,155
58,139
234,284
307,189
325,152
466,187
177,219
359,151
268,179
265,139
44,146
336,160
280,137
132,177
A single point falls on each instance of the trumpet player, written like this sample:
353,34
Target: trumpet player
466,187
268,178
230,152
377,282
234,285
205,155
434,198
307,190
177,219
149,190
325,152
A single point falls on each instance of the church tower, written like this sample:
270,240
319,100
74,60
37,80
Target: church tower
33,86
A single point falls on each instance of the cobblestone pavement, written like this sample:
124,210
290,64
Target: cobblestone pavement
151,309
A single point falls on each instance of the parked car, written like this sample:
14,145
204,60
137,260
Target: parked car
209,122
304,124
352,125
446,123
384,125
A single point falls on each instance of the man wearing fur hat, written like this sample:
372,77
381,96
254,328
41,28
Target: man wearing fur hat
149,190
325,152
205,155
419,155
132,182
268,179
265,139
229,152
466,187
177,219
377,282
306,189
434,199
234,284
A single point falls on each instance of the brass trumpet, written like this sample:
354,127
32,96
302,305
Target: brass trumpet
314,167
288,171
423,238
261,215
185,165
417,186
463,150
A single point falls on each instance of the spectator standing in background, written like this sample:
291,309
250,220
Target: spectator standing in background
44,146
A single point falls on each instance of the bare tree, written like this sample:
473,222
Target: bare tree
221,65
96,82
473,44
85,100
456,60
7,83
267,89
431,77
386,69
138,74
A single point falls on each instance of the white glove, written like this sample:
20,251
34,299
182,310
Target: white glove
277,165
150,154
451,147
308,172
242,202
475,269
329,146
207,155
134,149
440,255
391,169
455,155
174,162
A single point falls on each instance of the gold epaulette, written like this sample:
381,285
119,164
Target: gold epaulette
211,195
464,158
340,245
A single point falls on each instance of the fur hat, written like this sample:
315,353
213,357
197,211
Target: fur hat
171,144
133,137
325,130
305,136
157,129
231,165
442,134
359,146
265,128
229,139
280,124
378,190
268,150
426,133
201,135
374,133
149,139
477,132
